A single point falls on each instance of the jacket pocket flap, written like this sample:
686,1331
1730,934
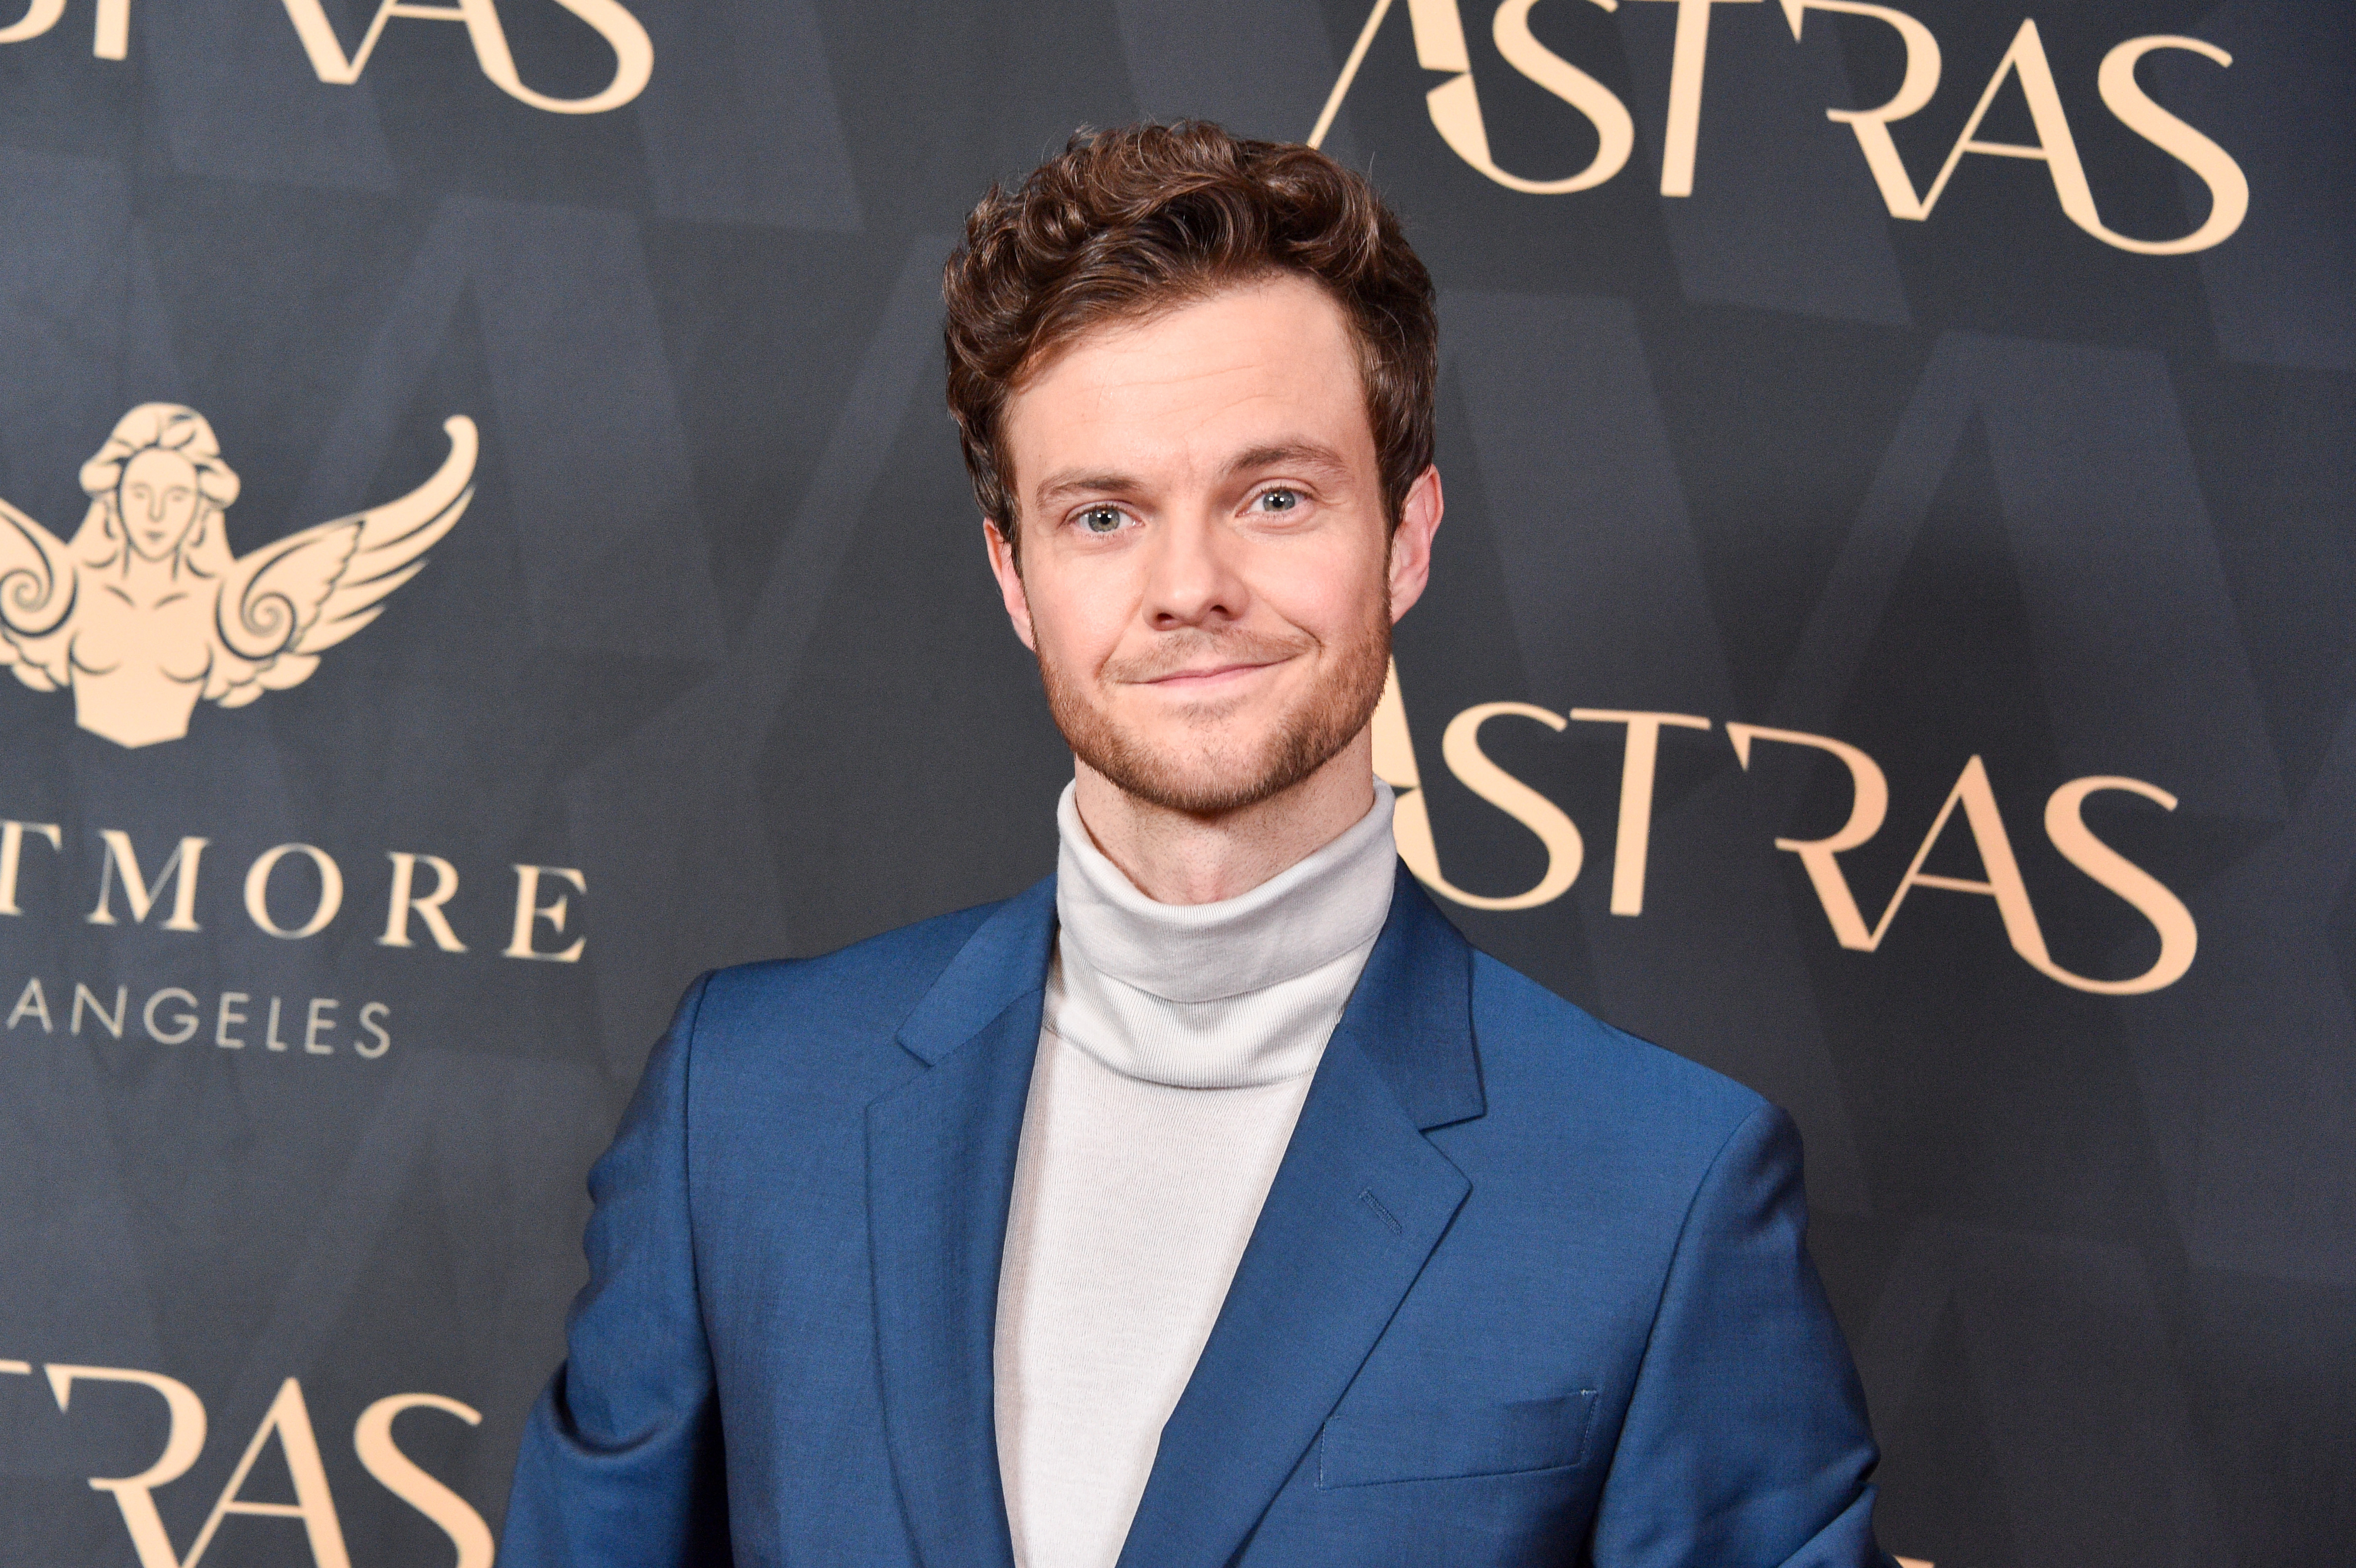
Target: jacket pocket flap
1442,1441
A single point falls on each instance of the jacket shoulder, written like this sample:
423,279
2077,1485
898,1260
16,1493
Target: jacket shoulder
1538,1044
870,984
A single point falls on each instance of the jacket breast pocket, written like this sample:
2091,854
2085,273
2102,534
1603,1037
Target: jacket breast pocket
1431,1442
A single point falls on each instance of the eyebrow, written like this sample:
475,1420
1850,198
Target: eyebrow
1074,482
1310,455
1313,456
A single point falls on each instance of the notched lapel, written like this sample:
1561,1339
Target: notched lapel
940,1176
1357,1205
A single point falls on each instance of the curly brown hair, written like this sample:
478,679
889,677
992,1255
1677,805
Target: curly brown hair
1128,223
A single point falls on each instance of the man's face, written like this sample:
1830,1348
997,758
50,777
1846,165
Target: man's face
1207,574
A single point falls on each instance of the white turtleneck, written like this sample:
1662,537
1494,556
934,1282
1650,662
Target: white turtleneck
1175,1049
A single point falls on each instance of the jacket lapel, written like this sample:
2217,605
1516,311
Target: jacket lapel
940,1176
1358,1204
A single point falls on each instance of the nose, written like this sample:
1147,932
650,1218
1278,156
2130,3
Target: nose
1193,579
156,507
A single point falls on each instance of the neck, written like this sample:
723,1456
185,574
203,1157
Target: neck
1177,857
140,572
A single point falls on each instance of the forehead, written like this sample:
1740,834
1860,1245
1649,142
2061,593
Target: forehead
1186,389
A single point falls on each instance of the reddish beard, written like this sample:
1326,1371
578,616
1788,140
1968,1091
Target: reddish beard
1211,772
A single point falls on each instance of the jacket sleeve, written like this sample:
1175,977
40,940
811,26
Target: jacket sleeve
1745,1442
621,1457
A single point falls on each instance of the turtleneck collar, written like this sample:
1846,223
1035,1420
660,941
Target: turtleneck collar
1241,992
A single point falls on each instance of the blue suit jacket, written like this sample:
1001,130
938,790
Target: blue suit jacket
1525,1290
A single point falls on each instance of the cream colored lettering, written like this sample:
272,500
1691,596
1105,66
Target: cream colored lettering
634,58
121,857
12,856
184,1439
372,1017
326,52
317,1022
1633,845
1394,744
2054,146
405,1479
290,1421
1394,766
2004,884
530,911
1341,89
2229,192
2179,939
404,903
1870,804
39,18
257,891
1460,747
229,1014
1412,818
2057,149
1455,104
270,1033
1687,62
184,1026
2065,826
111,1022
34,1000
110,39
16,1368
634,52
1871,126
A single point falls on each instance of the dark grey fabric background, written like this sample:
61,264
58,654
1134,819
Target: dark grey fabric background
716,634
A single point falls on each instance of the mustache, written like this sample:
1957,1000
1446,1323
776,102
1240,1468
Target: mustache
1195,650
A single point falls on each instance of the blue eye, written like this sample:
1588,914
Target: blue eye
1101,519
1280,500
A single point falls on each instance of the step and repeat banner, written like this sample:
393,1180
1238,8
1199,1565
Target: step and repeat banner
482,544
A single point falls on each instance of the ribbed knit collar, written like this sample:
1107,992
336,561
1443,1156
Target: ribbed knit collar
1241,992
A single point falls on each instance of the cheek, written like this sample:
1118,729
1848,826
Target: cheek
1078,616
1331,597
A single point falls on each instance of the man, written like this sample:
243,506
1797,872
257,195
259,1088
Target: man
1212,1202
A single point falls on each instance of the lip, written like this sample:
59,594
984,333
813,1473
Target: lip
1207,677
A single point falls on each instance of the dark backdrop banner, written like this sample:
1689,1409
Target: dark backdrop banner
484,545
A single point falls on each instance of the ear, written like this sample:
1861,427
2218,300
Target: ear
1009,582
1411,566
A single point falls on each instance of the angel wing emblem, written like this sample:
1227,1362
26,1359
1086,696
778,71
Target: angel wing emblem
144,612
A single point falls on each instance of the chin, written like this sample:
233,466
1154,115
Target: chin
1199,793
1208,775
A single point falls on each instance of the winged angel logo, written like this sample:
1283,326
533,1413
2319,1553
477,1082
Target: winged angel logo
144,610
